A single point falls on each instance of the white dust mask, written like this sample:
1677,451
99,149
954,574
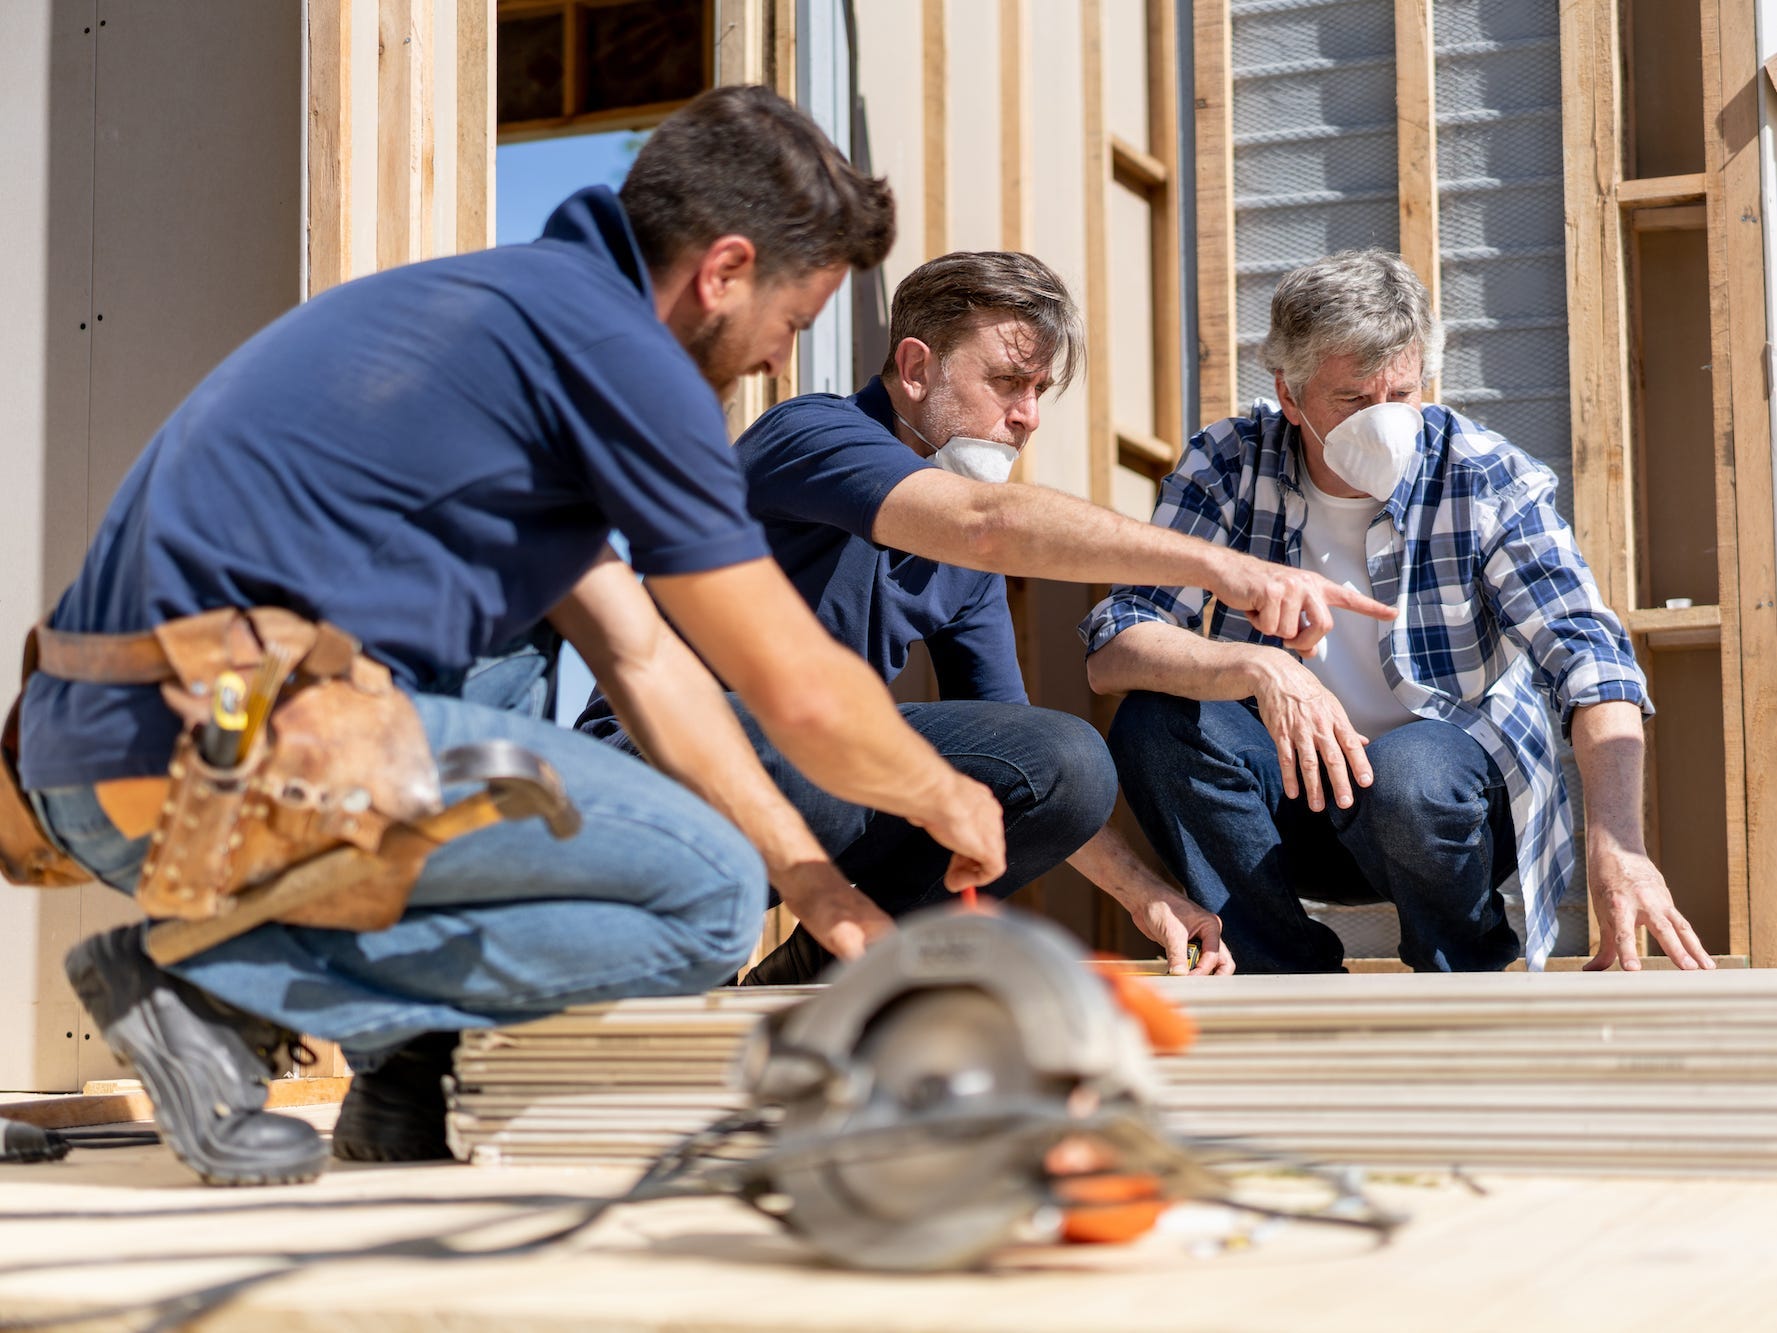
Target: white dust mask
1375,448
978,460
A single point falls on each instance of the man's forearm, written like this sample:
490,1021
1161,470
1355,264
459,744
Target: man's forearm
1035,532
1170,659
1107,859
1610,751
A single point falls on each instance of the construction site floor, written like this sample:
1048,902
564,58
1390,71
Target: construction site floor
1502,1252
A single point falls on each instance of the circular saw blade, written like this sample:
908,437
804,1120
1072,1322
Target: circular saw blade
945,1200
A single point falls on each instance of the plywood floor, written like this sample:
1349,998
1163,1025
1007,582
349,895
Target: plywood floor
1530,1253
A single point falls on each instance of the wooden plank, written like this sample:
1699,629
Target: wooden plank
1416,140
403,176
1744,513
329,143
1597,352
1146,454
1212,98
1659,191
1682,217
934,76
475,124
1101,448
1722,351
1016,163
1164,201
1135,169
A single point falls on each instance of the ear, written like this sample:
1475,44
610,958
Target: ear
914,363
727,264
1292,411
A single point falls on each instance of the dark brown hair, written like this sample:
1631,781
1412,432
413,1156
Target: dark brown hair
944,298
739,160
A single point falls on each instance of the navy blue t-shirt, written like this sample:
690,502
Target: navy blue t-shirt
428,457
818,468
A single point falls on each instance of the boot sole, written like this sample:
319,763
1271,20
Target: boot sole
136,1038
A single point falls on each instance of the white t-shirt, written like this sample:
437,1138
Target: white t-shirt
1333,546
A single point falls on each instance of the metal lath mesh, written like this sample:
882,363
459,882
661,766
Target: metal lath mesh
1501,236
1314,146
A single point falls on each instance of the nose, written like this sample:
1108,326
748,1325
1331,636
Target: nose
777,360
1025,414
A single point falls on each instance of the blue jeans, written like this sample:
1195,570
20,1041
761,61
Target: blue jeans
656,895
1432,835
1050,771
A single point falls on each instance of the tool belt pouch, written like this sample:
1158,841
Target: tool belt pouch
342,759
27,856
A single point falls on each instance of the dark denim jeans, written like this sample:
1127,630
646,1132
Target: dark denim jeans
1432,835
1050,770
656,895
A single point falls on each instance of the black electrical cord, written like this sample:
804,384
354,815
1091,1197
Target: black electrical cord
688,1170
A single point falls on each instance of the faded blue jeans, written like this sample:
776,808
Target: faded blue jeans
1050,771
1432,835
656,895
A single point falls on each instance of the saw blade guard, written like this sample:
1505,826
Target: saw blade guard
898,1082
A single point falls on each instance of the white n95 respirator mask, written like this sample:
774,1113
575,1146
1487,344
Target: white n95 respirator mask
1375,448
978,460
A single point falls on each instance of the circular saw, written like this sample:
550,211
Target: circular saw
954,1089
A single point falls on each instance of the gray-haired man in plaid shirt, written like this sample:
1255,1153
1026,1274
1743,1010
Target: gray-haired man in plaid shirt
1432,734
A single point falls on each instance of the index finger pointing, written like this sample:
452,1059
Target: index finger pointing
1351,599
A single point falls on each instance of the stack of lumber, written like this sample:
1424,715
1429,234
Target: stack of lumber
1658,1071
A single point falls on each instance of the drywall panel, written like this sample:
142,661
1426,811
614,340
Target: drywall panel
46,99
1132,311
1314,147
1058,457
974,92
1501,227
1126,71
444,119
891,121
197,230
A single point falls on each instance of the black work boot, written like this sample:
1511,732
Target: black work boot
204,1063
798,961
395,1112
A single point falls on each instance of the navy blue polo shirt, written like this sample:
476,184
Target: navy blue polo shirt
428,457
818,468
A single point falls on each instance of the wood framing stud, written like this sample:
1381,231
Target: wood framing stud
1746,561
1212,99
1163,227
329,143
1417,139
1101,445
935,75
403,137
475,124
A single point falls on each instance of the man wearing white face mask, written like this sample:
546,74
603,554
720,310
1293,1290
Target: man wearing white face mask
888,511
1433,734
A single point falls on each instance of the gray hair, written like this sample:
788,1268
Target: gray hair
944,298
1364,303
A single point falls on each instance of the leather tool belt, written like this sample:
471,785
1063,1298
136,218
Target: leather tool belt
326,819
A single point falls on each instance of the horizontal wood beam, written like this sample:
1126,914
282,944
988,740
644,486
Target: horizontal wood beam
1146,454
1135,169
1659,191
1674,217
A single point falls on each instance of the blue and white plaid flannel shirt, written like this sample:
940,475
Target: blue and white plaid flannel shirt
1497,616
